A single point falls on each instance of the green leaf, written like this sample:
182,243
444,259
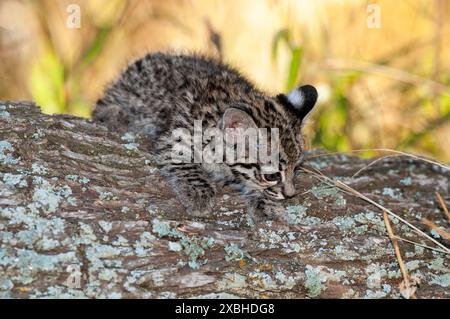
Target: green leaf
294,67
47,83
281,36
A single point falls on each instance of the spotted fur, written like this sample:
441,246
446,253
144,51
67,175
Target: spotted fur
162,92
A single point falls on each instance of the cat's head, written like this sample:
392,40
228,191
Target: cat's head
285,112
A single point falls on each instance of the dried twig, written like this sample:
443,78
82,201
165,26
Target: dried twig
436,228
421,245
354,192
444,207
407,288
371,163
385,150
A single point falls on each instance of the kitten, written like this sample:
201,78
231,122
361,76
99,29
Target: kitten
160,93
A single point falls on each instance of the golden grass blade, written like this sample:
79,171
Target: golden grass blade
386,150
421,245
371,163
444,207
397,252
354,192
339,183
434,227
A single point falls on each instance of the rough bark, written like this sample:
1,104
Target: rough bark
84,213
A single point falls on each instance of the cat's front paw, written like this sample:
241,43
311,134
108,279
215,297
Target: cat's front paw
199,202
262,210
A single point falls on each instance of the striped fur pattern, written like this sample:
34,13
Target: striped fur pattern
162,92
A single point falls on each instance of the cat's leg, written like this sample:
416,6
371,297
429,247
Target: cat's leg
262,208
192,187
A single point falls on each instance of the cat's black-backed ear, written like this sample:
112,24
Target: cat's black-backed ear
301,99
236,118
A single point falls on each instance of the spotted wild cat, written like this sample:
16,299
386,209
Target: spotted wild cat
160,93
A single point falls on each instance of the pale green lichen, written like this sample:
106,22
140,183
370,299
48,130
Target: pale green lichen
3,113
49,197
96,253
105,225
263,280
115,295
163,229
14,179
37,230
6,284
120,241
128,137
296,213
345,224
323,191
77,179
441,280
5,158
373,219
439,264
38,169
192,246
387,288
435,234
412,265
375,273
370,294
418,251
108,275
194,249
315,279
234,253
131,147
406,181
232,281
144,244
393,193
39,134
174,246
285,282
106,196
73,178
87,235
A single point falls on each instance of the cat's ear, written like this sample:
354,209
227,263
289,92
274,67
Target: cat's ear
235,124
237,119
301,99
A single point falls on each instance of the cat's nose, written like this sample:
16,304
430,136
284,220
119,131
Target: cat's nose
288,190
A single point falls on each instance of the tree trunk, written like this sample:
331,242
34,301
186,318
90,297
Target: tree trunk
85,213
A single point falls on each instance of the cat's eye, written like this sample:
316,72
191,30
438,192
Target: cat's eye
275,177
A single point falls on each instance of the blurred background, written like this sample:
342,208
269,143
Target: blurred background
381,66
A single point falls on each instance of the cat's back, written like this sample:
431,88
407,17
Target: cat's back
176,75
160,86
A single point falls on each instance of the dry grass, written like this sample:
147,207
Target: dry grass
407,287
444,207
348,189
434,227
383,150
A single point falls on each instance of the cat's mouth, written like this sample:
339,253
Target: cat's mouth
275,195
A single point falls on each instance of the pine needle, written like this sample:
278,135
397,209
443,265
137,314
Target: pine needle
421,245
444,207
371,163
386,150
406,279
434,227
354,192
